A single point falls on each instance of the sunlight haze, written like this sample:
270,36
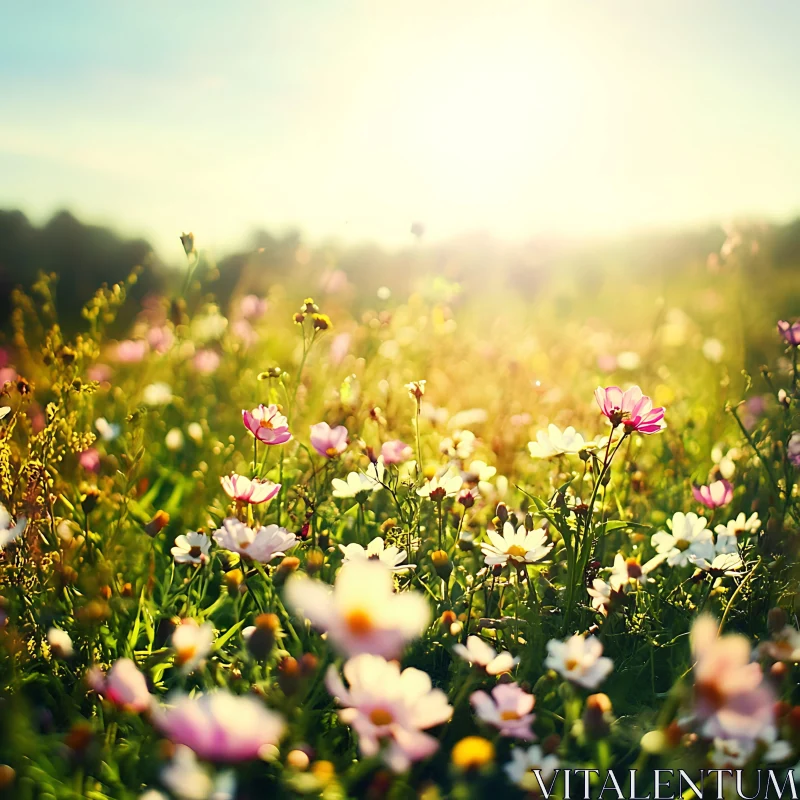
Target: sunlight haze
355,119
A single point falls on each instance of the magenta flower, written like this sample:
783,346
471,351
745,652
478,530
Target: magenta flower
246,490
327,441
90,460
251,306
131,351
715,495
395,452
508,709
206,361
126,686
790,332
267,424
219,725
731,698
630,408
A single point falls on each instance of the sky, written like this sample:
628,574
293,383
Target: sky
355,118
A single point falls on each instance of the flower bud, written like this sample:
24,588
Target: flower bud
233,581
288,565
502,512
448,618
441,563
262,639
89,499
472,753
597,716
777,620
157,524
315,561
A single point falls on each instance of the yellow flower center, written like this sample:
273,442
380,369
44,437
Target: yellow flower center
682,545
185,654
331,452
508,715
516,551
359,622
265,423
380,716
571,664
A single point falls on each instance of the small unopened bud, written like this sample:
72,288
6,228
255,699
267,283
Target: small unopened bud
448,618
187,240
466,541
596,716
286,568
441,563
262,639
298,760
289,675
89,499
233,580
529,522
783,398
776,619
157,524
315,560
502,512
324,540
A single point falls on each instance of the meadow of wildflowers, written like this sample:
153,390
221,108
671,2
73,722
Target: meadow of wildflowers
423,544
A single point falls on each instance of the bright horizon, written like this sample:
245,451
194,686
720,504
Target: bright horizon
354,120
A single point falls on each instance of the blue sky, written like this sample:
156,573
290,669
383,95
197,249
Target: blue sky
353,119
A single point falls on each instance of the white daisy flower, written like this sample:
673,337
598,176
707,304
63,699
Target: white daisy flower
192,642
531,769
688,537
439,487
628,571
60,643
360,483
376,550
9,532
479,653
555,442
191,548
520,547
579,660
723,564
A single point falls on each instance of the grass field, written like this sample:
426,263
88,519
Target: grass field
373,532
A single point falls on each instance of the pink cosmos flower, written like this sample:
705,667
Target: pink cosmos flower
244,331
160,338
715,495
267,424
385,705
630,408
219,725
206,361
731,698
90,460
126,686
790,332
395,452
361,613
249,490
340,347
327,441
251,306
99,372
130,351
507,709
